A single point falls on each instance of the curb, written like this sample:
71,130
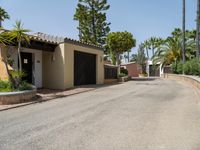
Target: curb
41,101
186,79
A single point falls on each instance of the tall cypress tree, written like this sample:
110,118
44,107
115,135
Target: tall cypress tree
93,27
3,16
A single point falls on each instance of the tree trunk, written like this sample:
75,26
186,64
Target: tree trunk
153,51
118,63
147,53
198,29
0,23
19,56
128,56
183,49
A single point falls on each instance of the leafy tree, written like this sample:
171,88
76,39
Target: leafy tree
3,16
120,42
20,35
93,27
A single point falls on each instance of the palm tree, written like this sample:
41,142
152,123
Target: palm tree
3,37
20,35
153,43
141,58
128,55
171,51
147,47
177,33
192,35
134,58
3,16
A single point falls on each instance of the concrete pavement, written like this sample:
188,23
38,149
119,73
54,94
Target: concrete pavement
138,115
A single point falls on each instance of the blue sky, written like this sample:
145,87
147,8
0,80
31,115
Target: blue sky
143,18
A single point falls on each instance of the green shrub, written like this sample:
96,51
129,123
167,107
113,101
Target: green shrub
16,78
5,86
124,71
122,75
177,67
25,86
192,67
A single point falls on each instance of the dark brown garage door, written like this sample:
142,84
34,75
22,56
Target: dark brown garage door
84,68
154,70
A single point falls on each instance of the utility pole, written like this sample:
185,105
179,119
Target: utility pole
183,44
198,29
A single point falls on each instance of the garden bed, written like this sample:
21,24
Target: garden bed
7,98
124,79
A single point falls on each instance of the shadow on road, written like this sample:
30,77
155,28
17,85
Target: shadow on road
145,78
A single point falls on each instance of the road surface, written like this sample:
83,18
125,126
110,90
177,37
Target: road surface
138,115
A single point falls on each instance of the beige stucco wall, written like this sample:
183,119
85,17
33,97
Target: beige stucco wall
58,66
69,63
3,72
53,68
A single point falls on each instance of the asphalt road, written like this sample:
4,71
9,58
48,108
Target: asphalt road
138,115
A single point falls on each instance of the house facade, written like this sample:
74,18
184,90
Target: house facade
154,70
57,63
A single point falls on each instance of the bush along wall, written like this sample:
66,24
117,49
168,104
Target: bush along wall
124,71
191,67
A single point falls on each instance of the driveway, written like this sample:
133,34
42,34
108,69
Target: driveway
138,115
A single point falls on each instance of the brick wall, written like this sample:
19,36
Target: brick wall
133,69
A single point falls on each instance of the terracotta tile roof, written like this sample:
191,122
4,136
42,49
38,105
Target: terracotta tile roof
39,36
84,43
47,38
56,40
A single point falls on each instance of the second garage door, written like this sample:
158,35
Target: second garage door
84,68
